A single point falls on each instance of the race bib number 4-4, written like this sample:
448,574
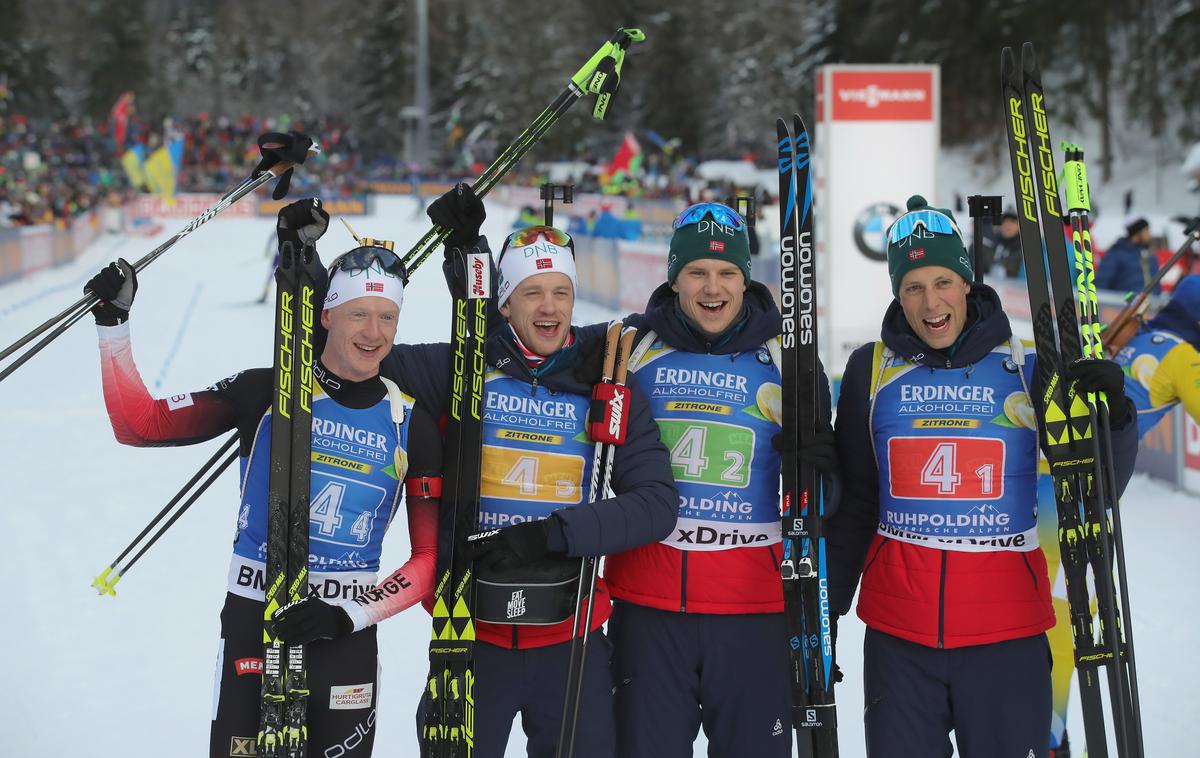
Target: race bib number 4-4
946,468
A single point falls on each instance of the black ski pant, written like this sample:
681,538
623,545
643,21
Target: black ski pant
342,679
677,672
531,682
995,698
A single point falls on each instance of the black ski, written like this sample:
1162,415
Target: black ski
449,730
803,569
1074,429
283,730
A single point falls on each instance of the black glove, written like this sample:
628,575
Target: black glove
311,619
821,452
514,546
275,147
836,672
461,210
1097,375
302,222
115,285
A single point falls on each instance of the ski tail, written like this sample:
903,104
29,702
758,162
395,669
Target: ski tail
803,569
449,725
1073,429
283,705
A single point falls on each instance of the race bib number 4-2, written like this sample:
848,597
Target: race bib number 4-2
946,468
709,452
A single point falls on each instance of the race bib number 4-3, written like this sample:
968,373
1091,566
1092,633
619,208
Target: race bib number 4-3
531,475
946,468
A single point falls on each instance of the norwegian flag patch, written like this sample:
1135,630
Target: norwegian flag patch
374,286
717,245
916,255
544,263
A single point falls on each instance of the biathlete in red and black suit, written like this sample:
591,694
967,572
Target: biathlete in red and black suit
698,629
368,437
940,519
536,471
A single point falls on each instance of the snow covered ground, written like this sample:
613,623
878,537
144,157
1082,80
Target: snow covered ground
88,676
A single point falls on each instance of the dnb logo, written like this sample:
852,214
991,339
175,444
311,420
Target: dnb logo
870,229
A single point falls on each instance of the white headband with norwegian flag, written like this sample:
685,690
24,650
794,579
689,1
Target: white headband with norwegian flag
540,257
372,281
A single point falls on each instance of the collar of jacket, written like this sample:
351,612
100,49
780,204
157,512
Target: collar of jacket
987,326
759,322
504,355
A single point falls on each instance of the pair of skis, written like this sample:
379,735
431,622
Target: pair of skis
803,569
283,730
1076,431
449,727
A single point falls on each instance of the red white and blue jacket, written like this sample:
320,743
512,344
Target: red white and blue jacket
944,563
717,407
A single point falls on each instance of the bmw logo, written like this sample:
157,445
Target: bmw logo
764,357
870,229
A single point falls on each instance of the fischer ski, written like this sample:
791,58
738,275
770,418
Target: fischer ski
803,569
449,727
1075,429
283,730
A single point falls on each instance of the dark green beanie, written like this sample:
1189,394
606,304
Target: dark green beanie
927,248
708,239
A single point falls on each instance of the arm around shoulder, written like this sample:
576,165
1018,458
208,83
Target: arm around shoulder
645,504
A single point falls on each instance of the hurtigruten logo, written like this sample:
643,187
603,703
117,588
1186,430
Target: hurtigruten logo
873,95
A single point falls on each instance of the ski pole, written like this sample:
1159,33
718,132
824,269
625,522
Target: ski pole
611,399
1119,625
106,584
594,77
73,313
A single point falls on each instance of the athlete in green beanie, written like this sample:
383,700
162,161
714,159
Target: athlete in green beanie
926,236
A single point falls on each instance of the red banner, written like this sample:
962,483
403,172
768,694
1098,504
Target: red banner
881,96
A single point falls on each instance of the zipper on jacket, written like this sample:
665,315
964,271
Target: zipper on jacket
683,581
1032,575
942,603
871,560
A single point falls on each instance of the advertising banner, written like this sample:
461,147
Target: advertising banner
877,141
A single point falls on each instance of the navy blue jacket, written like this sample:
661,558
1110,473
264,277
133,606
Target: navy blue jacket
1121,268
643,510
851,530
741,580
1181,314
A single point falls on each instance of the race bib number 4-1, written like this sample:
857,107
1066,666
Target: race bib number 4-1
946,468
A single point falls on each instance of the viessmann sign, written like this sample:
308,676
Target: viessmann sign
877,142
881,95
